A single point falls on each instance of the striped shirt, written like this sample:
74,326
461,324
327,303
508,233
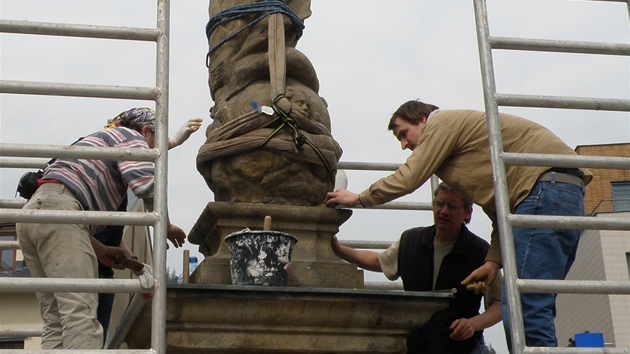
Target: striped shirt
101,185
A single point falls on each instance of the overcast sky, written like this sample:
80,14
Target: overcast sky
370,56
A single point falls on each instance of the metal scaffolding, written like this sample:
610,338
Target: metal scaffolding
160,95
513,285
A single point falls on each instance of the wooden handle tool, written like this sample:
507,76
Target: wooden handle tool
267,223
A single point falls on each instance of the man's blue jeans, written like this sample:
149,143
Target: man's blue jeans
544,254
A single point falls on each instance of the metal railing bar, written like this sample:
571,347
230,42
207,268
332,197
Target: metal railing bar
498,169
19,285
12,203
396,206
368,166
568,222
17,204
562,102
399,206
158,303
21,332
383,166
561,46
79,90
77,30
373,245
22,163
79,217
573,286
354,244
553,160
9,245
79,152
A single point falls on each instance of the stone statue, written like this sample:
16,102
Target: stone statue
270,140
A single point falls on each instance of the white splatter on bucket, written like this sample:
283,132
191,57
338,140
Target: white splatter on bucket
260,257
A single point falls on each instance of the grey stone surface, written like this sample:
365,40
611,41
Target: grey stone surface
313,262
254,319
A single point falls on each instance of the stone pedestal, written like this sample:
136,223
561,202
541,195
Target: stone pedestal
314,265
262,319
323,310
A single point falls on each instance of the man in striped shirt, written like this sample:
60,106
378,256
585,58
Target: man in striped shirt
112,235
71,251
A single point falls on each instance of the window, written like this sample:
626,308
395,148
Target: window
621,196
7,256
11,343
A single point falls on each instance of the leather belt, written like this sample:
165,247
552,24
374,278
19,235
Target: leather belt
568,171
561,178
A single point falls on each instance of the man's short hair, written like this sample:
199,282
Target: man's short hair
412,112
445,187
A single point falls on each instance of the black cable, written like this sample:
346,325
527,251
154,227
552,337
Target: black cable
298,138
265,7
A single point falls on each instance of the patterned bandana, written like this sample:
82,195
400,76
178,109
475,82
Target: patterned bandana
135,119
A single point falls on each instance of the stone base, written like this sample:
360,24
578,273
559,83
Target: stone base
255,319
313,263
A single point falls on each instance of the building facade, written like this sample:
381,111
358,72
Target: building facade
602,255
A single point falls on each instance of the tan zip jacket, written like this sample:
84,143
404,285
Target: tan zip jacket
454,146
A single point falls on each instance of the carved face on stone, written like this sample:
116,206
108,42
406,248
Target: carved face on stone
300,101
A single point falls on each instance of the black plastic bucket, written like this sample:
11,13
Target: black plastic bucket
260,257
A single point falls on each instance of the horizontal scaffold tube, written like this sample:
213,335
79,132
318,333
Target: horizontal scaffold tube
568,222
366,244
20,332
559,46
562,102
79,152
76,30
78,217
12,203
572,161
9,245
79,90
18,285
368,166
23,163
573,286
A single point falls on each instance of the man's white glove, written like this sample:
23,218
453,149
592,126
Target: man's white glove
146,276
185,132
